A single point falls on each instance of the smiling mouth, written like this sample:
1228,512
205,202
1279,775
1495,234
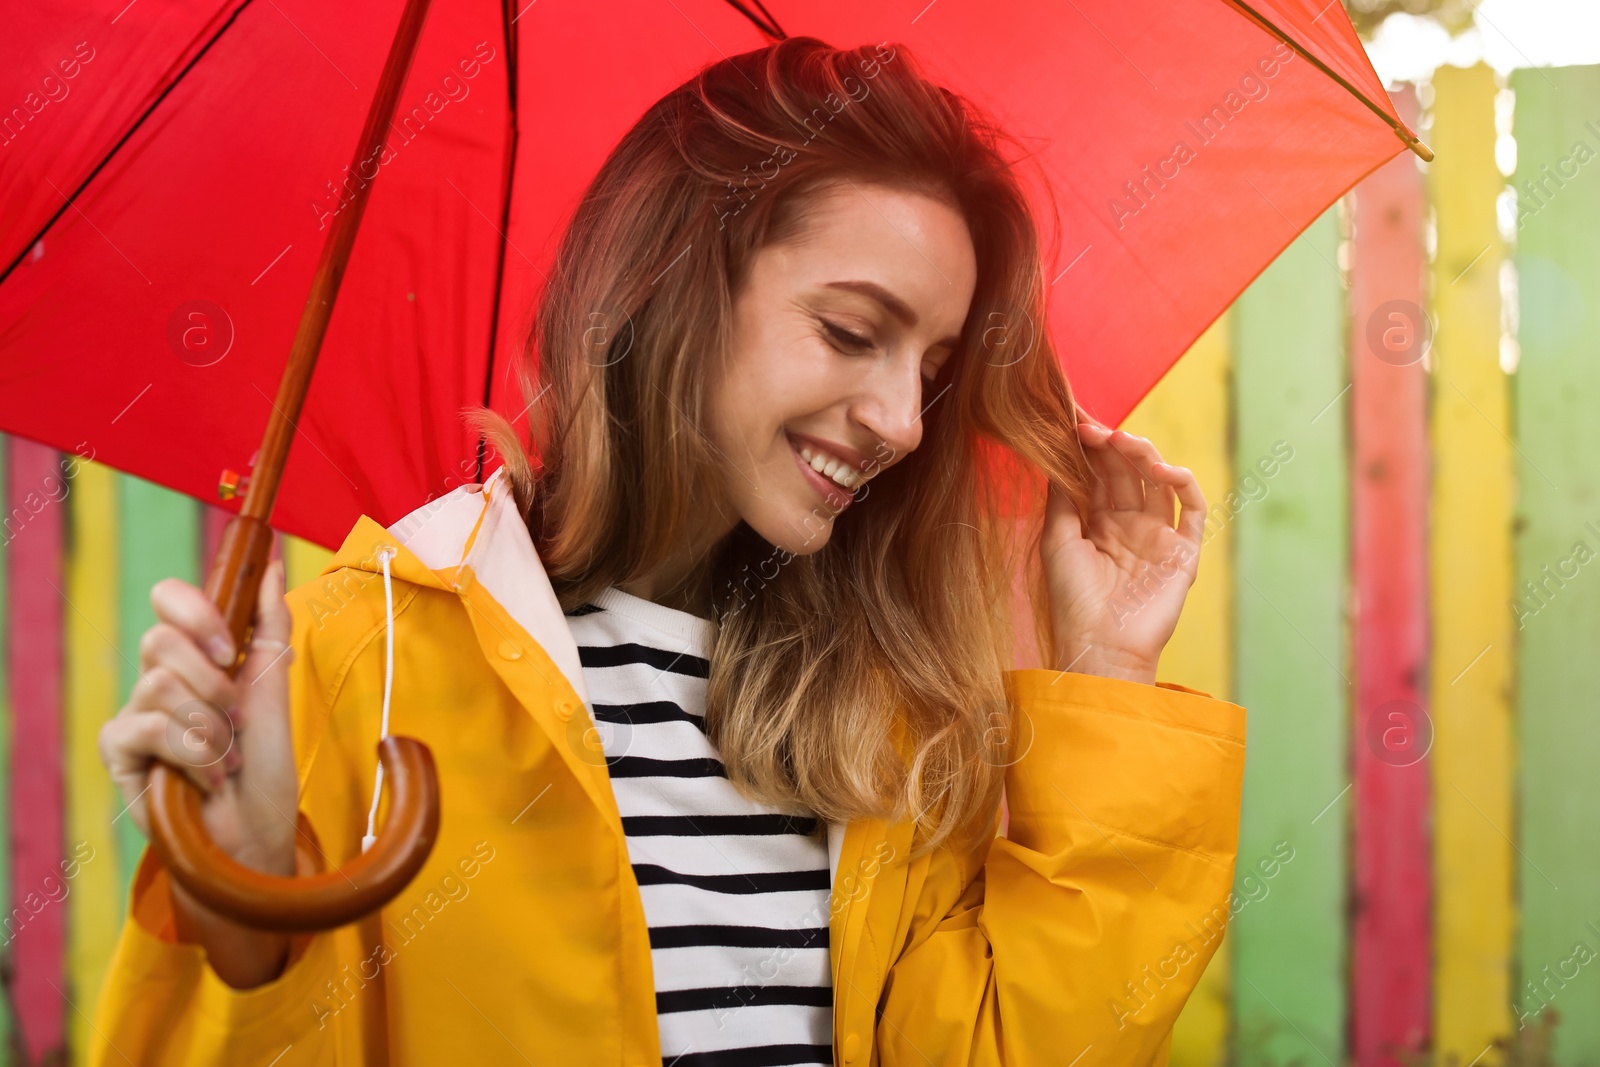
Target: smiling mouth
833,479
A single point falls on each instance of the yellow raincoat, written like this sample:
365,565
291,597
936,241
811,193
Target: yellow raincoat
1073,939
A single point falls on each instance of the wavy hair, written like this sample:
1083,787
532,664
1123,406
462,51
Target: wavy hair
865,679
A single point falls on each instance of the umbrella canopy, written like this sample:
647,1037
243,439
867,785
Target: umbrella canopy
168,173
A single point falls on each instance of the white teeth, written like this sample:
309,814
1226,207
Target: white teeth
831,467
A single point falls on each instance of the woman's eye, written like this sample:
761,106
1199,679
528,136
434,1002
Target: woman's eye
844,337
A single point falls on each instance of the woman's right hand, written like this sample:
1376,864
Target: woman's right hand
230,735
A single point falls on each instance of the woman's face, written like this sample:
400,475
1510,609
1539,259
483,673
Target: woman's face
837,334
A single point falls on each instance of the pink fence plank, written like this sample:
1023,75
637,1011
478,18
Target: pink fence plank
34,931
1388,351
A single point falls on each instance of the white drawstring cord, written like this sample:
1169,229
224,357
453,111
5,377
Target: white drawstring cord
384,556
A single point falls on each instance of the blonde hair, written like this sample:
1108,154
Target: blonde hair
863,679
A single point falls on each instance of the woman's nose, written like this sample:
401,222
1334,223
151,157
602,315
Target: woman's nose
891,408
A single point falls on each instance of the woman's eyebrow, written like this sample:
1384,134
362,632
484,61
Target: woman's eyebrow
891,303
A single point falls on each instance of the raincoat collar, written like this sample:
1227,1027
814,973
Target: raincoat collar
473,542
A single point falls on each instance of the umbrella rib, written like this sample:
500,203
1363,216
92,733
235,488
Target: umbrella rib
763,22
1411,140
513,139
187,67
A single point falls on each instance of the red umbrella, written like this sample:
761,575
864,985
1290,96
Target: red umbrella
177,182
170,170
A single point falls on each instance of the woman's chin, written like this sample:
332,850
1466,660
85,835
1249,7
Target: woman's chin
798,531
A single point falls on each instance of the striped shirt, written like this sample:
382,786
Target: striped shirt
735,893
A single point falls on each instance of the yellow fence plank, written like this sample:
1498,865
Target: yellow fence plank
1471,581
302,560
92,695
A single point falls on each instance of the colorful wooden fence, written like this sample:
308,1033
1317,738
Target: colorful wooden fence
81,547
1397,583
1407,603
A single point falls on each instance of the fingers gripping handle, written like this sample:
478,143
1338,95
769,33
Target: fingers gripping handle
319,902
269,902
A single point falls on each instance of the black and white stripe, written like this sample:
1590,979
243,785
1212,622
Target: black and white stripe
735,893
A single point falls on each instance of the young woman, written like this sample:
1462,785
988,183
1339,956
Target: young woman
719,680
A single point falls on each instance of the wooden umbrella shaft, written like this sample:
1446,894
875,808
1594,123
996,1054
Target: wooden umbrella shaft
178,832
246,544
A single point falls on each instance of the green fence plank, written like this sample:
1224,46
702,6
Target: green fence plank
1289,511
1557,398
160,539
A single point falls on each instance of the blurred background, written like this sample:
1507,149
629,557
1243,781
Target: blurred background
1397,428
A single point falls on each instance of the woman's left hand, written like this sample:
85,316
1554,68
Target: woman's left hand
1115,594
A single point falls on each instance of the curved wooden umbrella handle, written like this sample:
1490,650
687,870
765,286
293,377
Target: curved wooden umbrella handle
319,902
